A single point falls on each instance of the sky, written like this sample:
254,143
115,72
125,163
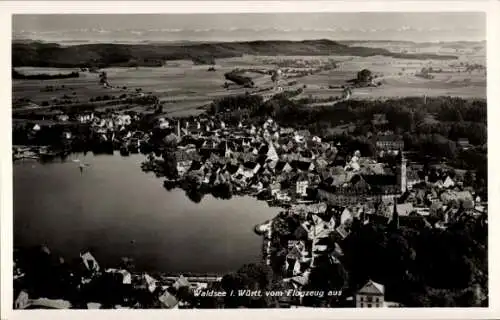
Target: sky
418,27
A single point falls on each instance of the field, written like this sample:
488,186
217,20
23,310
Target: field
183,87
398,79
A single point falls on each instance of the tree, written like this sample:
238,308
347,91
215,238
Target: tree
133,64
280,227
364,75
170,165
250,277
194,195
469,178
159,109
223,191
327,276
103,77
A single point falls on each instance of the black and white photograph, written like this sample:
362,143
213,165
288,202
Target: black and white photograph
249,160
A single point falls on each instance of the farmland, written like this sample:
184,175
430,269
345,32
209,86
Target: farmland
182,87
398,79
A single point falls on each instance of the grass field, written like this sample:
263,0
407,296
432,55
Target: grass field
183,87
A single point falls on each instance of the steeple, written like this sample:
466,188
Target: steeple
402,172
228,151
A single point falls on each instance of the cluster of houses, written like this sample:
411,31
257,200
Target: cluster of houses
428,205
286,163
108,126
162,292
291,166
110,131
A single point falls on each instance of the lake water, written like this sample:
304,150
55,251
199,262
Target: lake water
118,210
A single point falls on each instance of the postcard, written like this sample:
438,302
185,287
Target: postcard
183,160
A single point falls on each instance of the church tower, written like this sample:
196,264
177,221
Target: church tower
227,152
402,172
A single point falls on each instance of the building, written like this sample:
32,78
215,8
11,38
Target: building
183,166
389,143
371,295
283,166
301,187
412,178
168,300
448,182
344,198
402,174
463,143
282,196
274,188
90,262
272,155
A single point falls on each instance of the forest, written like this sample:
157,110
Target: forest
40,54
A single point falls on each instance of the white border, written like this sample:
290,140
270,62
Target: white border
137,7
38,7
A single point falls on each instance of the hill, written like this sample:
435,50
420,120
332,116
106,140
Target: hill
39,54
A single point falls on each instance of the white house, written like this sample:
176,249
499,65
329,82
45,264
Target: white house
448,182
127,277
123,119
271,153
163,124
275,188
250,169
151,282
301,187
282,196
63,117
371,295
90,262
183,166
345,216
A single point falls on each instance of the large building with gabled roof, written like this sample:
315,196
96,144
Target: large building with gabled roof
371,295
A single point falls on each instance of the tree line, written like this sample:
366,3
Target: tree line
43,76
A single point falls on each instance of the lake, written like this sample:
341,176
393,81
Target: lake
118,210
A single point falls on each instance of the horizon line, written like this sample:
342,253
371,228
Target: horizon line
236,41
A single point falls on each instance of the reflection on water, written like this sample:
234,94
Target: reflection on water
116,210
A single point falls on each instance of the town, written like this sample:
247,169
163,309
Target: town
332,192
306,160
